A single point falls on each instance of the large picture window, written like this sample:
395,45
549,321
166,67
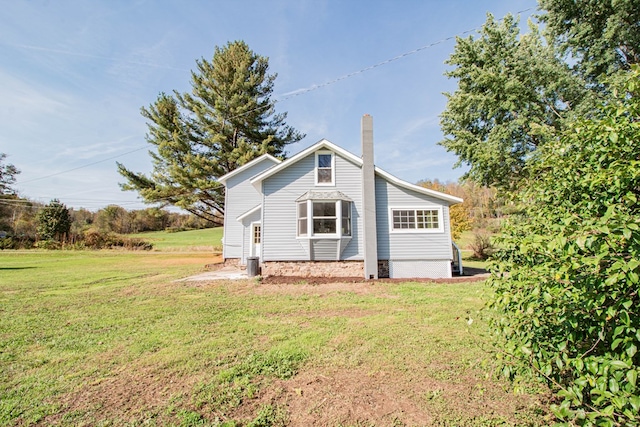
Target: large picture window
416,220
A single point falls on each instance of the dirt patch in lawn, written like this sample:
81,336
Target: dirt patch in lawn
317,288
471,275
341,396
332,396
131,393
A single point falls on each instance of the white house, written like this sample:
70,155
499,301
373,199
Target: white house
328,212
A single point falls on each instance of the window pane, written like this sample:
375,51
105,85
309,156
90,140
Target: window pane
324,226
302,210
302,227
324,209
346,218
404,219
427,218
324,175
346,209
346,227
324,160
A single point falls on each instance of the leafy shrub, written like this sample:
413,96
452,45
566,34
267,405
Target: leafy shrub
48,244
482,246
94,239
567,276
16,242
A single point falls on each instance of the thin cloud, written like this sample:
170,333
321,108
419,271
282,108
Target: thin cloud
92,56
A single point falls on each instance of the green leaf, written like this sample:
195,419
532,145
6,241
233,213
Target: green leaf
618,364
632,377
631,350
616,343
613,386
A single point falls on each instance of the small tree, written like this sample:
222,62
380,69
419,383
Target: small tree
54,221
8,174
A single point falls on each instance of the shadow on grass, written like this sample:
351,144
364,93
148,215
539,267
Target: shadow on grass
473,271
16,268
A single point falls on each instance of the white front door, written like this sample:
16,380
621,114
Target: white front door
255,239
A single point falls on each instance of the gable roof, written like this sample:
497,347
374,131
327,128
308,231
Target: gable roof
223,179
256,181
322,144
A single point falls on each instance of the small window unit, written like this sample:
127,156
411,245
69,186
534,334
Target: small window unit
416,220
325,168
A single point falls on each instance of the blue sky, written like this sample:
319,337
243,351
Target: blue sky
74,74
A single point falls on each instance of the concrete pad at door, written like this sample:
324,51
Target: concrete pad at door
225,273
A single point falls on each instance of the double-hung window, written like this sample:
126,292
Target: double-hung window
416,220
303,219
346,217
325,168
324,217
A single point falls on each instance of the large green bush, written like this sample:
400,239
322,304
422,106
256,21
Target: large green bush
566,279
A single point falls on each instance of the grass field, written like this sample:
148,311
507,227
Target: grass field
209,239
108,338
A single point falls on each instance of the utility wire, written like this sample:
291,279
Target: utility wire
294,93
84,166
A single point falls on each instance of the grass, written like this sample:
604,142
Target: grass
107,338
209,239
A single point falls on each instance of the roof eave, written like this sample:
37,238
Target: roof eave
223,179
442,196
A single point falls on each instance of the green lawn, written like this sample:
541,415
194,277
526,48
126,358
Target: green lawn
107,338
209,239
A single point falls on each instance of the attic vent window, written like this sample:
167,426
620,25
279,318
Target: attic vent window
325,168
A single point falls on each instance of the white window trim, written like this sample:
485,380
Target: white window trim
440,228
333,169
311,235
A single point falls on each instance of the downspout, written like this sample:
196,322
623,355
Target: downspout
370,237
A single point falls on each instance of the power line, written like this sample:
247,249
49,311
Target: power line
284,97
83,166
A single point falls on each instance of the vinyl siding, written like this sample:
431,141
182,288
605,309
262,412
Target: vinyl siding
409,246
279,221
324,250
240,197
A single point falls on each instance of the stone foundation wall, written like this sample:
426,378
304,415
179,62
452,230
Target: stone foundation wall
383,268
313,268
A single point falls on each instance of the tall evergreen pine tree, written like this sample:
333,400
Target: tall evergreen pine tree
227,120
